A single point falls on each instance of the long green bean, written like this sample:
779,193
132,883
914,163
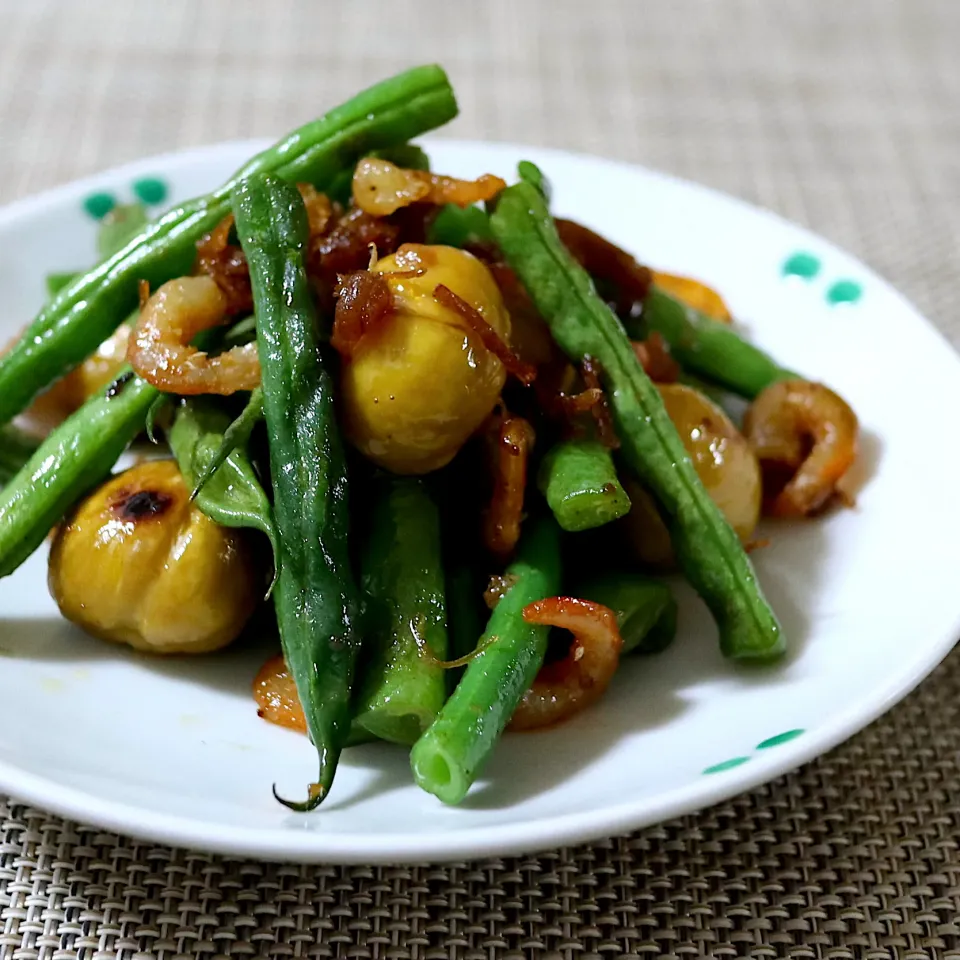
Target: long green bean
646,610
707,347
85,312
449,756
72,459
709,551
119,227
16,448
55,282
316,599
405,622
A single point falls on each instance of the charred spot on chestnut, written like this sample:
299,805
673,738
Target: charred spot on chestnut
141,505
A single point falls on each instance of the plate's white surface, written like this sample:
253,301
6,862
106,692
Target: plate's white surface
173,750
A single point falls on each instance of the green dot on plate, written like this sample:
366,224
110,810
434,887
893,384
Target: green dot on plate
801,264
150,190
98,205
784,737
844,291
726,765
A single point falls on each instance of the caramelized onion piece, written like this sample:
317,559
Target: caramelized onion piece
226,264
363,303
381,188
344,247
529,334
607,262
496,587
524,372
655,358
275,691
560,398
591,370
501,522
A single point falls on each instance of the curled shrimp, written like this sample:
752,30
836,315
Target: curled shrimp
807,432
160,348
566,687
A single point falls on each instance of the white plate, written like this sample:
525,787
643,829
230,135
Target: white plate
173,750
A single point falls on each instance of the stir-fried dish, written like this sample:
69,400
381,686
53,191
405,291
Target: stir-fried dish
438,443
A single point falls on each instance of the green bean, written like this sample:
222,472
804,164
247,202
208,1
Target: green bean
70,461
459,226
709,389
464,597
232,495
466,573
119,227
16,448
76,456
709,551
55,282
646,609
707,347
448,757
84,313
580,483
315,596
532,174
405,618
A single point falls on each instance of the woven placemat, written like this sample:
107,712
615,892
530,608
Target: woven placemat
844,116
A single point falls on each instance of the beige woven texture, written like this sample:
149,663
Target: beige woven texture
841,114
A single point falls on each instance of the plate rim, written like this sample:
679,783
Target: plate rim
526,837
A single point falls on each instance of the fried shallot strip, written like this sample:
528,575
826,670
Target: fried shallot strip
655,358
590,370
501,523
226,264
524,372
